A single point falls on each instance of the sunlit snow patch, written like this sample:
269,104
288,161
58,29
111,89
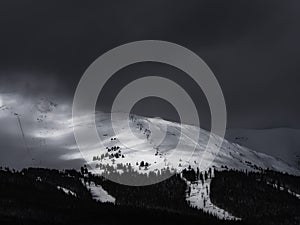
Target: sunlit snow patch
67,191
99,194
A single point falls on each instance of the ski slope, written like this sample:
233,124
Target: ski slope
99,194
199,198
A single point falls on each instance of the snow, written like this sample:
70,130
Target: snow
283,189
53,129
142,148
199,198
48,129
294,193
99,194
67,191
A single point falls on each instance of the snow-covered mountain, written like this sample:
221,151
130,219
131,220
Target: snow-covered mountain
40,133
123,148
144,153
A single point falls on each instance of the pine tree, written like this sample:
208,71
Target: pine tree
198,172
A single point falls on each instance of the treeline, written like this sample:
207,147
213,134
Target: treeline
126,174
192,174
248,195
168,194
69,179
283,180
31,197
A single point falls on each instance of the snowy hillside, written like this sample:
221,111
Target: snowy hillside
99,194
144,153
144,148
199,198
42,135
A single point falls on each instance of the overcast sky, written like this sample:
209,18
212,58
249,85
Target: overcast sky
251,46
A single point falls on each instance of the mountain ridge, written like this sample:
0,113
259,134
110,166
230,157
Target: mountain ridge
230,154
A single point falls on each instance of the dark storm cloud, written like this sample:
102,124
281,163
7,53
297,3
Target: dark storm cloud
251,46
